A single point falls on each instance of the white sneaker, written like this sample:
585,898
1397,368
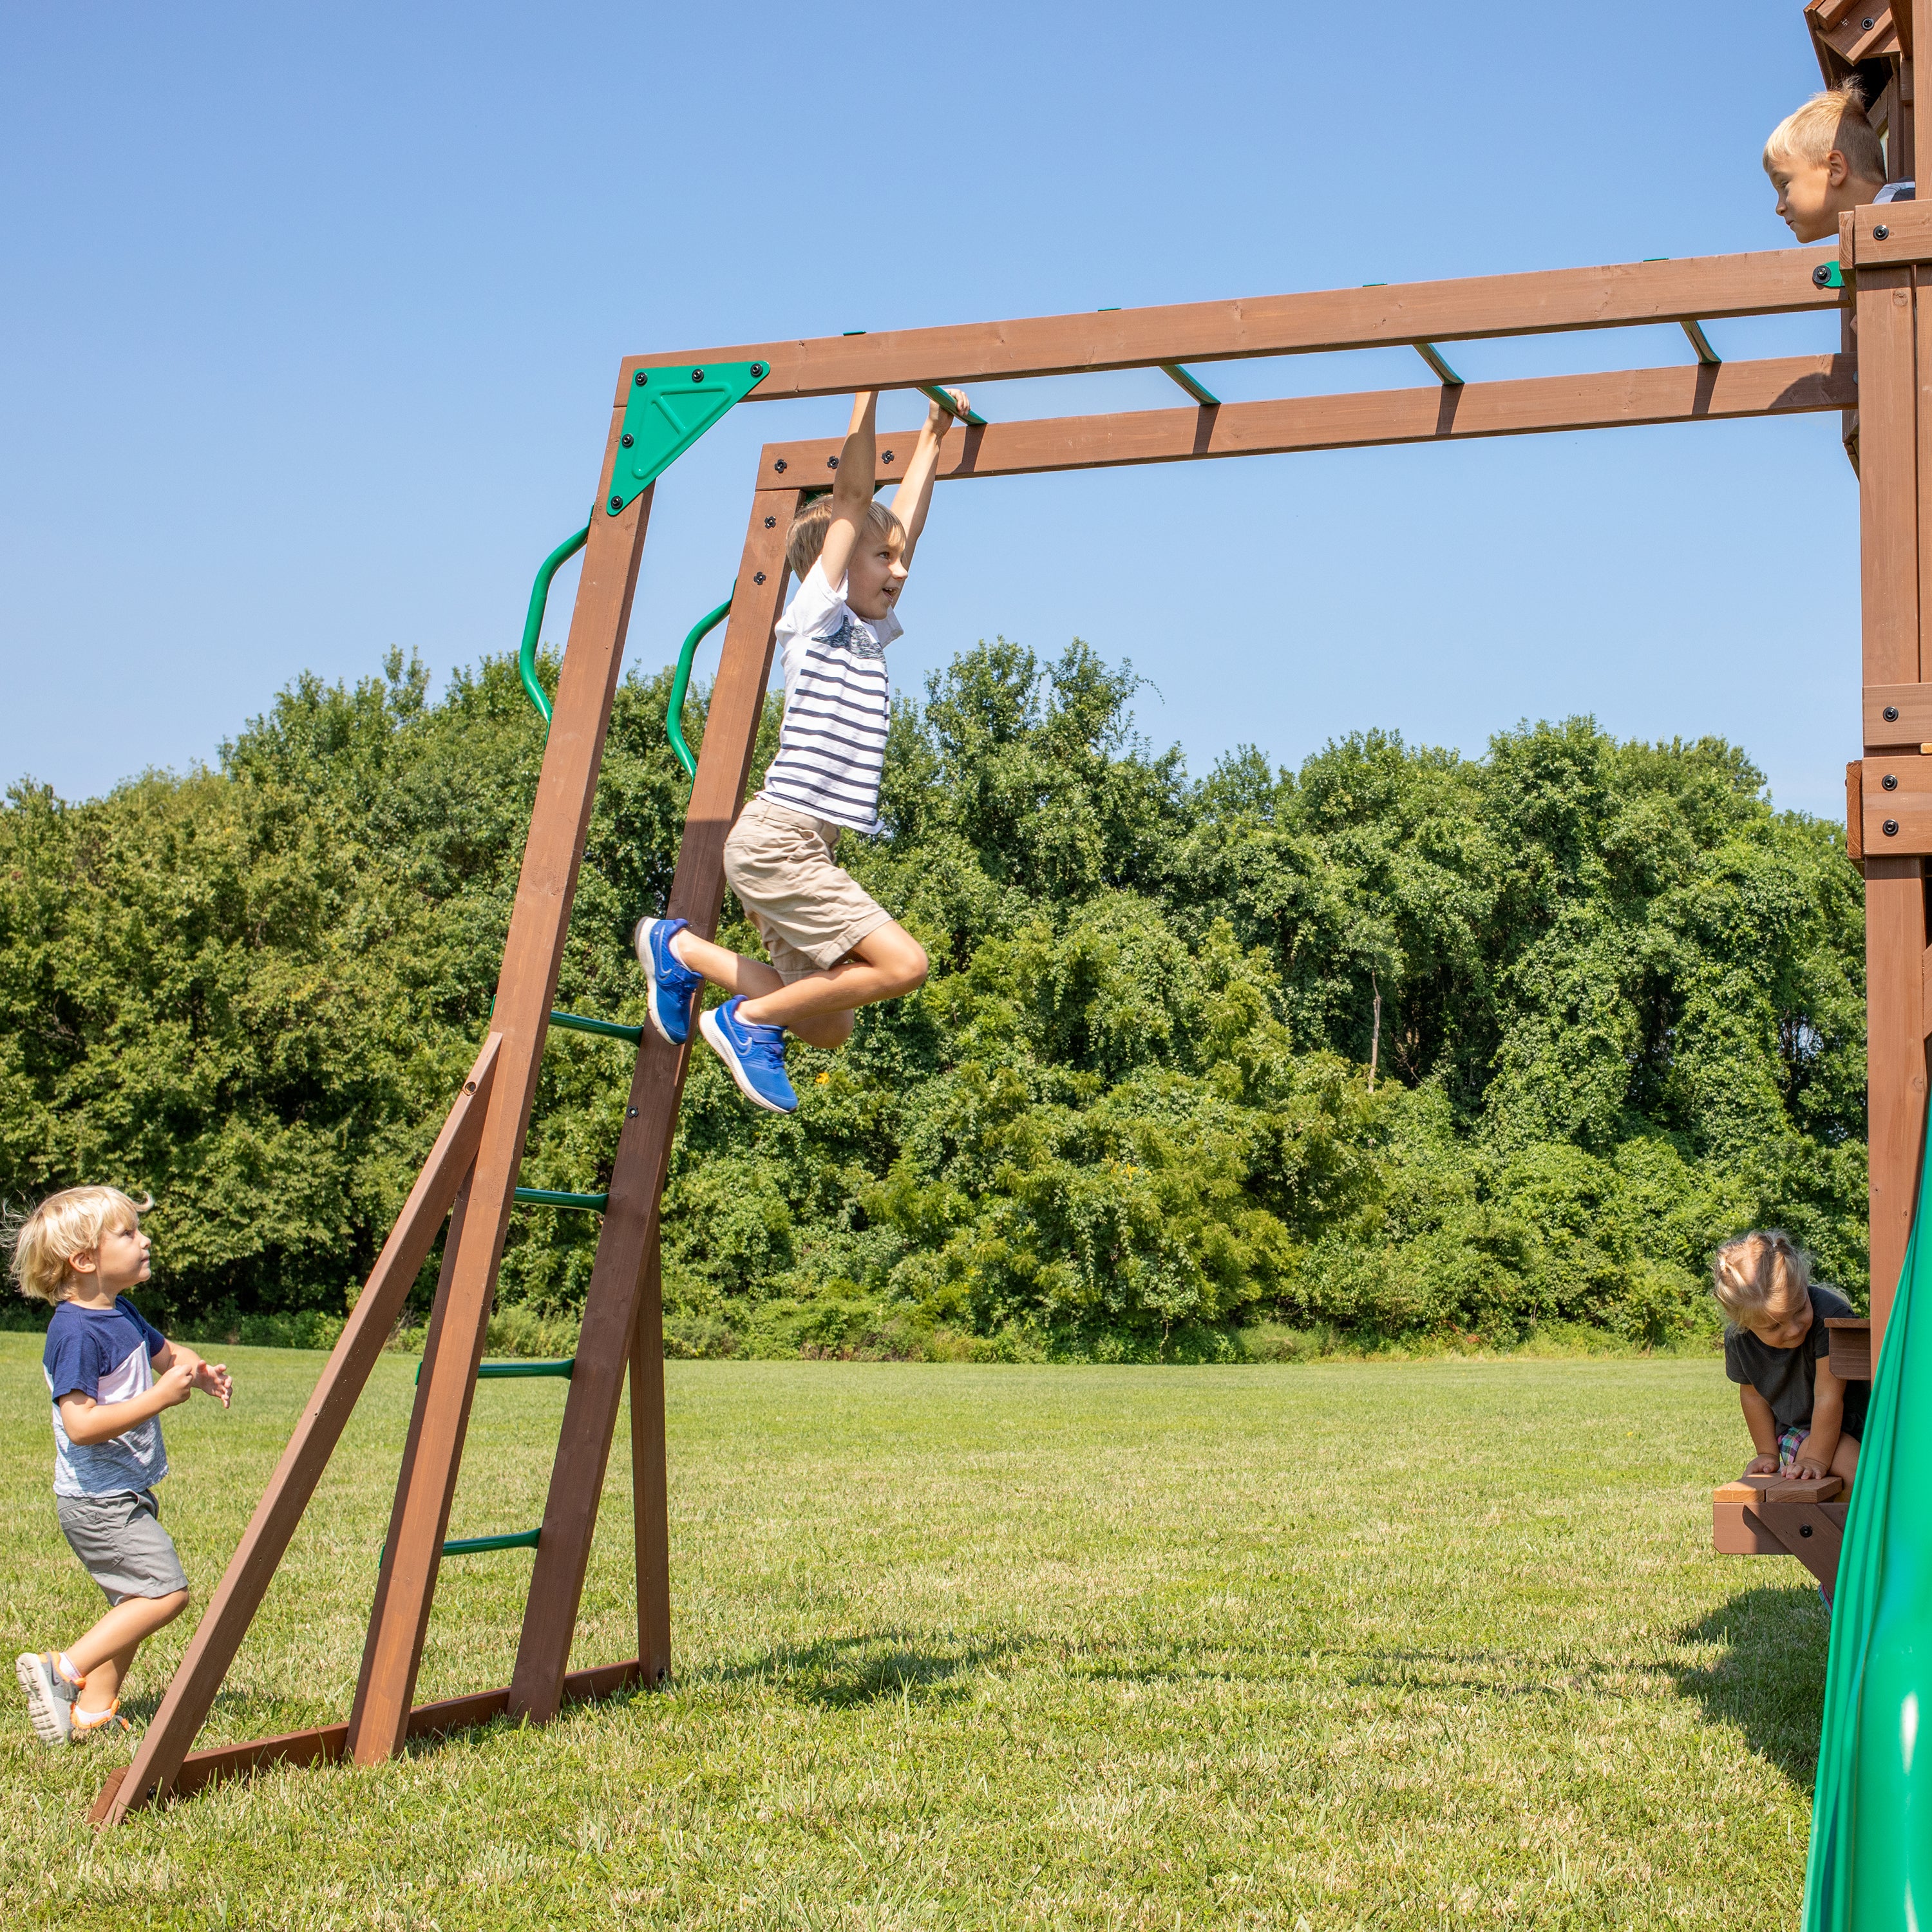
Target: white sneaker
50,1695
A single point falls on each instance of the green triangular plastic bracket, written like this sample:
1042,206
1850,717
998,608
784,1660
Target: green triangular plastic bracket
668,411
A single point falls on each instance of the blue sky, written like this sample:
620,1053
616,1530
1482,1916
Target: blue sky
314,316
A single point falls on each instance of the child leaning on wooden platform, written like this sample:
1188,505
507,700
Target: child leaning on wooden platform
1803,1419
1826,159
832,948
109,1375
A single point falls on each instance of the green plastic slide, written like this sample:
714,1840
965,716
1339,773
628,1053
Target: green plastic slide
1870,1868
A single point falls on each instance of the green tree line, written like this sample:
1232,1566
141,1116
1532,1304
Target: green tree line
1398,1044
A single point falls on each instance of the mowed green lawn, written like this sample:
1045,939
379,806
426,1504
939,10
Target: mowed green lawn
1360,1645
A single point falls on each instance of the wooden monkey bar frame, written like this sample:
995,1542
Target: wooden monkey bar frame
471,1172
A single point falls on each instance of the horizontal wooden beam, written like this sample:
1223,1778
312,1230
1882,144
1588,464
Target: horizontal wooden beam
1897,714
1891,234
1897,792
1684,393
1627,294
329,1742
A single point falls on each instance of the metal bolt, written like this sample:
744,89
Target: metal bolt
886,458
1821,276
640,378
1890,781
627,439
832,462
759,578
779,466
1805,1528
630,1113
1891,828
757,370
1867,25
1891,714
617,503
771,523
1879,233
697,375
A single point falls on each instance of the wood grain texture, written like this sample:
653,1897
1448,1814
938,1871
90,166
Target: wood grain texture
526,990
1912,725
1631,398
191,1693
650,1494
1895,1064
1888,476
1776,281
1907,237
626,1246
1851,1347
1904,803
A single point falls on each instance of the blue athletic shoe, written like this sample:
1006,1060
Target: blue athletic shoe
754,1054
674,986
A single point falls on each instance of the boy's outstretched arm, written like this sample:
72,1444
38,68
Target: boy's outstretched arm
852,486
913,497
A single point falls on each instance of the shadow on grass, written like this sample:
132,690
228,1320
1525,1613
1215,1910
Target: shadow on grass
1768,1679
839,1673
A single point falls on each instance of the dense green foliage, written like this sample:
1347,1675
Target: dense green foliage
1614,1001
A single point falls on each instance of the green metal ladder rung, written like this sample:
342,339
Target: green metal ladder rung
514,1371
609,1029
556,1197
475,1546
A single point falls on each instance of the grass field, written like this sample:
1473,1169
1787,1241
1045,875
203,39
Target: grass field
1397,1644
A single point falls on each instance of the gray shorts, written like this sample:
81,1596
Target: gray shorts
121,1544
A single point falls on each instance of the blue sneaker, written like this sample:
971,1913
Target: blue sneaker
754,1055
674,986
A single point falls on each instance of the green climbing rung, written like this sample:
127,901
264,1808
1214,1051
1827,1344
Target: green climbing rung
609,1029
504,1372
475,1546
554,1197
681,682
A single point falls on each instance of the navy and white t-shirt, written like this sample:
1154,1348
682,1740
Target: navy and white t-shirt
106,1353
839,706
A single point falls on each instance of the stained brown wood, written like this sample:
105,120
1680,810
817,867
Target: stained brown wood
611,1302
1851,1347
191,1693
1897,817
650,1495
1912,726
1907,238
1895,1064
1777,281
525,989
1786,385
330,1742
1748,1520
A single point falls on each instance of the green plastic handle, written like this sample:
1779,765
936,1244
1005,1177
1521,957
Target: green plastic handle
526,657
681,683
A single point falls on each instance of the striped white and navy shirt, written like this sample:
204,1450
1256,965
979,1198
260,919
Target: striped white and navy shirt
839,706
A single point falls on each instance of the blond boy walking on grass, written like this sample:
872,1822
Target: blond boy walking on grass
832,948
109,1375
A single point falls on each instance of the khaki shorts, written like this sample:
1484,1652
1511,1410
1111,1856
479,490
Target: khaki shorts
809,912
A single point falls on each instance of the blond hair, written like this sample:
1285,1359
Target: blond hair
69,1223
1834,120
1751,1274
807,537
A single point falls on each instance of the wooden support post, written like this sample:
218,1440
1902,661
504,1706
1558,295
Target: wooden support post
1890,438
189,1695
650,1490
626,1246
565,791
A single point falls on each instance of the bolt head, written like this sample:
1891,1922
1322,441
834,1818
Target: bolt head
759,577
1891,828
1821,276
779,466
617,503
627,439
697,375
1890,781
630,1113
771,523
832,462
1879,233
1867,25
885,456
1891,714
757,371
640,378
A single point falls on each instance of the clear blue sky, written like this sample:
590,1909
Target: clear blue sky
313,317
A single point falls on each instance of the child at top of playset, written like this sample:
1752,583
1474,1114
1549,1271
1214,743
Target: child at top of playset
832,948
108,1375
1803,1419
1825,160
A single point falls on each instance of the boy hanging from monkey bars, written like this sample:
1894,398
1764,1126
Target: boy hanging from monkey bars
832,948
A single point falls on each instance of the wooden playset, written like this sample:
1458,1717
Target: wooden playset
663,404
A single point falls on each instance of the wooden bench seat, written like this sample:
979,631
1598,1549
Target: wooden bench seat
1778,1515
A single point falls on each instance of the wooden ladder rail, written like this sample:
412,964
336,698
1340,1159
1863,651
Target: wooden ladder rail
623,1314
